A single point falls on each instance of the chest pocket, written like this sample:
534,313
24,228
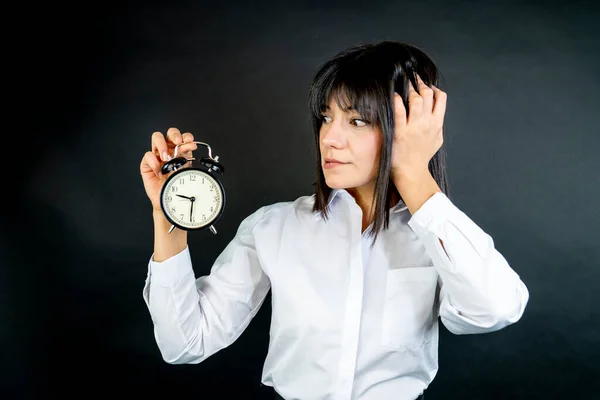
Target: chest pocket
409,307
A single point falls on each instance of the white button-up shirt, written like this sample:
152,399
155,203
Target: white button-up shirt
348,321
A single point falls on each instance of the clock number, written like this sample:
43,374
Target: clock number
203,217
173,210
182,181
192,178
211,209
173,188
169,198
212,188
181,217
216,198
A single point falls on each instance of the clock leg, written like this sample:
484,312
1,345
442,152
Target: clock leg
172,227
213,230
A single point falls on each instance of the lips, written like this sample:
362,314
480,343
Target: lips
332,163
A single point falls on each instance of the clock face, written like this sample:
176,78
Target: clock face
192,199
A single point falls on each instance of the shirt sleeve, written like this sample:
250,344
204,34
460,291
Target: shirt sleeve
479,291
195,318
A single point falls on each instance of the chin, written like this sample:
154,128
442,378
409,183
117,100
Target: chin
347,181
338,183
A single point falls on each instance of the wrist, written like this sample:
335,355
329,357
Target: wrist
159,218
410,174
162,226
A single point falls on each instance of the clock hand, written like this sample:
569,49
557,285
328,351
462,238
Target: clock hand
185,197
191,208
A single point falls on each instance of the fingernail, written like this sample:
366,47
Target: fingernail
164,156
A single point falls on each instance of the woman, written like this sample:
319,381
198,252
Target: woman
361,270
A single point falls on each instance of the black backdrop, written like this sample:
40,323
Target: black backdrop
96,79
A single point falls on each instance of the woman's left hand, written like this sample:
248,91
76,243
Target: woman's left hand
419,137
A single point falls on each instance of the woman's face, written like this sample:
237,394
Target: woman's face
354,143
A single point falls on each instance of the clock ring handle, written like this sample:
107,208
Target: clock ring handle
216,158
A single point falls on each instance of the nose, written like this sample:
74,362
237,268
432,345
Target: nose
332,135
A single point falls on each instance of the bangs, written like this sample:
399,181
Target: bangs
351,90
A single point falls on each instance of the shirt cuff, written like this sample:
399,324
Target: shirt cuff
172,270
440,217
436,208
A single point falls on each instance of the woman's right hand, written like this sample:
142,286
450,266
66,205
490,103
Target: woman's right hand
162,151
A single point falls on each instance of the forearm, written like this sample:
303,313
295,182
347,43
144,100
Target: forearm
415,188
196,317
166,244
480,291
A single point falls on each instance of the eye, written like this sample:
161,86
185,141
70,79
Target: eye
359,122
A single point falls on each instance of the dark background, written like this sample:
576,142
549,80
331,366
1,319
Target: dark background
95,79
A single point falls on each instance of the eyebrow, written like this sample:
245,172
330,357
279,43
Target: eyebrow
349,109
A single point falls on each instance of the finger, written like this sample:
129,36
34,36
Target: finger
415,103
150,162
427,94
441,99
187,137
186,149
159,146
174,135
399,111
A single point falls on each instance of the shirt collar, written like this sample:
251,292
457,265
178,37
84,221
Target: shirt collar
343,193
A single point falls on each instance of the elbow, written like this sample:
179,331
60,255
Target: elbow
180,353
504,312
509,312
498,318
173,357
492,317
501,315
465,324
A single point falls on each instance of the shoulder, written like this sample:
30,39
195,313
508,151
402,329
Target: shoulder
301,205
298,209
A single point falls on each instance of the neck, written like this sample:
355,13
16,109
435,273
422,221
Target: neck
364,197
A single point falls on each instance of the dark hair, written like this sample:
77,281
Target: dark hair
365,77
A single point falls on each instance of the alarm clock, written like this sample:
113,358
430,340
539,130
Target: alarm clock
193,198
